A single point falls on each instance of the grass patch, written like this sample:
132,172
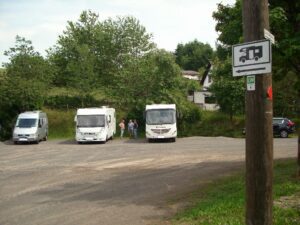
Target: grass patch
61,124
223,201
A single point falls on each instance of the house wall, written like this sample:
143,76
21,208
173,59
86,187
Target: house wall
199,99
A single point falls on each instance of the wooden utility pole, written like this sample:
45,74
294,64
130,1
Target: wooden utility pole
259,131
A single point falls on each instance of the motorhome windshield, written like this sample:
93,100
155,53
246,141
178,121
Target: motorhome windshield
160,116
26,123
91,121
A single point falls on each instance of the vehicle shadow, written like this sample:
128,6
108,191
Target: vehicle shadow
74,142
68,142
144,140
10,142
135,141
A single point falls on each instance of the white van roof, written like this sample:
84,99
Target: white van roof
31,114
94,111
161,106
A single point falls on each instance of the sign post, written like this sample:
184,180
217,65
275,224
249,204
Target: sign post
259,113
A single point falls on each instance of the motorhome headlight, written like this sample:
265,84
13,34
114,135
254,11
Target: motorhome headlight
32,135
80,134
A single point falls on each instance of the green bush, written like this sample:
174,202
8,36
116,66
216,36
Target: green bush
189,115
61,123
213,124
219,124
70,102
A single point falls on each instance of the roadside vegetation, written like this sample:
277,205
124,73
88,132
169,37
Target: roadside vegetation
214,124
223,201
61,124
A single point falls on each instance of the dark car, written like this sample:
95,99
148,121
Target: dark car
281,127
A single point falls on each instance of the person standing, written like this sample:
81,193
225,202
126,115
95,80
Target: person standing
135,128
130,128
122,127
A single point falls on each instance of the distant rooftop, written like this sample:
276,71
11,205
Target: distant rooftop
190,73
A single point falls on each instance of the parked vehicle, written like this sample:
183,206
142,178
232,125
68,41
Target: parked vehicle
31,126
161,122
95,124
281,127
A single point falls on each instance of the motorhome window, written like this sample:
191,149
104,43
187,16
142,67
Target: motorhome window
91,121
26,123
160,116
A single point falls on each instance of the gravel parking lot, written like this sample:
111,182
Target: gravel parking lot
120,182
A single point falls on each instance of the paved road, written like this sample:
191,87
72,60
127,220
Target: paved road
120,182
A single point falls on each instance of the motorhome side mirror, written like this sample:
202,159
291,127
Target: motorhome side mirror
144,114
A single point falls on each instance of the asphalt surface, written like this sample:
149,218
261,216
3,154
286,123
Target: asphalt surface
120,182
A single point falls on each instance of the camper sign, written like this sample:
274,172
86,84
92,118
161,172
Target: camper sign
251,58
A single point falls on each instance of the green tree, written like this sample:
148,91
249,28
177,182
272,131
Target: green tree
284,24
229,92
74,55
193,55
25,83
117,56
155,76
91,53
229,23
26,63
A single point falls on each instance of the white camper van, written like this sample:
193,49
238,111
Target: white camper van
161,122
95,124
31,127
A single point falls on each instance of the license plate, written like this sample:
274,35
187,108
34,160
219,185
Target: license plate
160,136
23,139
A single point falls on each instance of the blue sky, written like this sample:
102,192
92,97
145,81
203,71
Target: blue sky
170,21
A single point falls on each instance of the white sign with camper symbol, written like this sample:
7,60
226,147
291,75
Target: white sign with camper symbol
251,58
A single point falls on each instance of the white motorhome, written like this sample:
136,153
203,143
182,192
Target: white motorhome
161,122
95,124
31,126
